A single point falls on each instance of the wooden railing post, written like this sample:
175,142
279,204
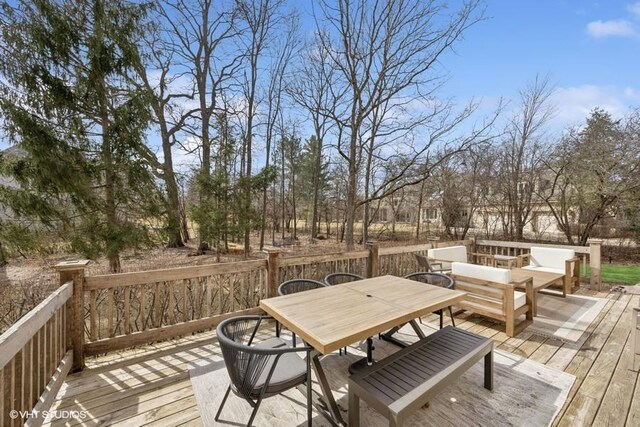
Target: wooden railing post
74,270
472,243
373,263
595,257
433,240
273,271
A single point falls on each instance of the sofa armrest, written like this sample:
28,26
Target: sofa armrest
522,258
572,266
523,282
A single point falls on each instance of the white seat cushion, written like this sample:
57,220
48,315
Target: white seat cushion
550,257
547,269
519,299
481,272
453,253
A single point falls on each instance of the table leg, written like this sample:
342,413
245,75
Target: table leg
326,390
417,329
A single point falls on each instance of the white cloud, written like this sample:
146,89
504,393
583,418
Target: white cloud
634,9
612,28
632,94
574,103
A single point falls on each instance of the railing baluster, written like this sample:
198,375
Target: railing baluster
3,410
126,320
110,312
12,394
93,314
185,317
23,379
232,292
209,296
172,302
33,376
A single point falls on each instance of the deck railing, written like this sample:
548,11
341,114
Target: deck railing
99,314
128,309
34,360
317,267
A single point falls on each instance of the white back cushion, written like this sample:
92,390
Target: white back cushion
452,253
550,257
481,272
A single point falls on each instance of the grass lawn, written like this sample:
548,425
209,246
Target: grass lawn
620,273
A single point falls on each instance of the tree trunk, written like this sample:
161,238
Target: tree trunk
315,221
174,222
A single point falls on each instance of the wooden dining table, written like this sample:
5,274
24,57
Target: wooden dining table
330,318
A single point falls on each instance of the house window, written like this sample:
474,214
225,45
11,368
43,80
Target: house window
430,214
524,188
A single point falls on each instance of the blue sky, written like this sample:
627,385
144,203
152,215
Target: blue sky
590,49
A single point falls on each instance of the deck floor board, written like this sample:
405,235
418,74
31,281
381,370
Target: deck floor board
150,386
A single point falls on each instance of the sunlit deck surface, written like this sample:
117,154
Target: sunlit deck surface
151,385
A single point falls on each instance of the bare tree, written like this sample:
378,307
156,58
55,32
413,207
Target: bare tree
520,156
385,53
284,50
261,18
462,185
170,95
310,88
201,33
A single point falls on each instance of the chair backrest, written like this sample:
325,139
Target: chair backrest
244,363
423,262
298,285
451,254
338,278
435,279
550,257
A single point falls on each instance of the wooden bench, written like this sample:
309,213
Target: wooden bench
404,382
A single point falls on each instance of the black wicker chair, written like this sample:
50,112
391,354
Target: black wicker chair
431,267
295,286
338,278
261,370
435,279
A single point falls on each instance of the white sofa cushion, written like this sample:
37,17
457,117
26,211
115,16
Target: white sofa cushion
550,257
451,254
481,272
491,274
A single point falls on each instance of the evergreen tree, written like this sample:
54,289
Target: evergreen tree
67,101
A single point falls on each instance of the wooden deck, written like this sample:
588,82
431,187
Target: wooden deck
151,385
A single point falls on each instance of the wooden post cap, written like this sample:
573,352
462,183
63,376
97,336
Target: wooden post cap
270,249
72,265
